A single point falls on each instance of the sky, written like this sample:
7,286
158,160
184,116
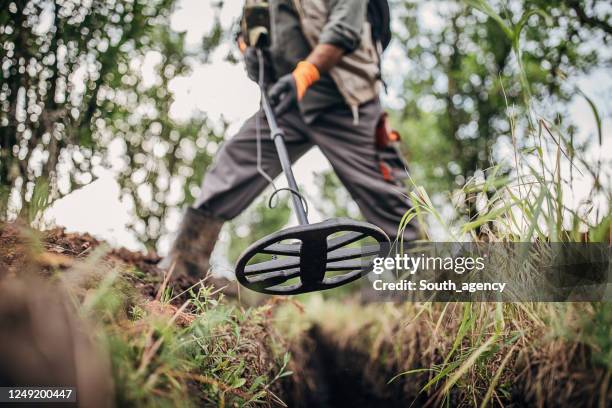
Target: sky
225,81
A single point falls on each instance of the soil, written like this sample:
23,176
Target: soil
329,376
23,250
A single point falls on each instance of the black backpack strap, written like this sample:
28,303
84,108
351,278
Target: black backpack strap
379,16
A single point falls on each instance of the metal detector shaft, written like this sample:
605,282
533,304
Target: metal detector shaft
278,136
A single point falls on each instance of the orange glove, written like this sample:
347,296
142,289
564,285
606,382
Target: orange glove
305,74
290,88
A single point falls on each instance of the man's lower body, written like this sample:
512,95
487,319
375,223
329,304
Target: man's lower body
233,181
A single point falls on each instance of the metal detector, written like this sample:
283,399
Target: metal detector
309,257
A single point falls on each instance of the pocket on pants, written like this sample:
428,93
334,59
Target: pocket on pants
391,163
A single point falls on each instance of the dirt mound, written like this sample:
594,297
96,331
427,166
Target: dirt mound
23,250
74,244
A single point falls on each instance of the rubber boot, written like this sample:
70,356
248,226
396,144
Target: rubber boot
191,250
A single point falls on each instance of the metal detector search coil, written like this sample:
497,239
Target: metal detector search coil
309,257
317,250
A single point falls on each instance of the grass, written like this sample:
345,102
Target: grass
207,351
163,351
469,354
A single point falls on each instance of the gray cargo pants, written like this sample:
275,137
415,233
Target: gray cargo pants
232,182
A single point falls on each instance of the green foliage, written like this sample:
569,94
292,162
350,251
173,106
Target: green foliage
422,139
39,200
460,78
597,333
593,327
72,85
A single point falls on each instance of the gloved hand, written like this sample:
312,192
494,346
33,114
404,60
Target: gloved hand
290,88
251,63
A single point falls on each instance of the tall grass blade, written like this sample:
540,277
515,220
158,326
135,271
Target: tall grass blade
596,114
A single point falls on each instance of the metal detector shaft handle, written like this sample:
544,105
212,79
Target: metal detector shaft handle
278,137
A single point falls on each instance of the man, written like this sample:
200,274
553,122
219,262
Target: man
322,72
